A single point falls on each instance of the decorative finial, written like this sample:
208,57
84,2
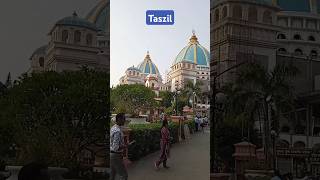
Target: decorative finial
194,38
148,55
75,14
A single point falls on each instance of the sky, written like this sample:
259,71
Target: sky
131,38
25,25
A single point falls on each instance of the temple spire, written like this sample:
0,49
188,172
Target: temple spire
193,38
148,55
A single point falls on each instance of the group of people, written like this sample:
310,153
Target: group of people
118,145
200,122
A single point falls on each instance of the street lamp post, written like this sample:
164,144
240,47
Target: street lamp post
176,96
273,134
213,109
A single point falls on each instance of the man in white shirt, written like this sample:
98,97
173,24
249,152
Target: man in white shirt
117,146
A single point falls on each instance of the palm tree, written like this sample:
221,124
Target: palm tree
193,90
256,93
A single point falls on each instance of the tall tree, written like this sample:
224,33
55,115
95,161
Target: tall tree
132,98
167,98
256,93
193,91
56,116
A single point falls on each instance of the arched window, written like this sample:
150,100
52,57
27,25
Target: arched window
224,12
77,37
253,14
311,38
299,144
89,39
283,144
216,15
297,37
282,50
267,17
237,12
41,62
65,36
313,53
298,51
281,36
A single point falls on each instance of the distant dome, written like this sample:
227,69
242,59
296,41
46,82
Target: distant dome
194,53
74,20
148,67
99,15
40,51
294,5
133,69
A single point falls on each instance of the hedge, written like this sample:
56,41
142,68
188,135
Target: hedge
147,137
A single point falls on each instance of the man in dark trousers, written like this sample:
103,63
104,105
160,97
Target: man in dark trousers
117,145
34,171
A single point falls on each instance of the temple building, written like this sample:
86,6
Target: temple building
191,64
273,32
145,73
76,42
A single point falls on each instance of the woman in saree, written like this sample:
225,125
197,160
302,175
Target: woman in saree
164,144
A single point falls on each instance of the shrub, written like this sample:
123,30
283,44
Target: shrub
191,124
147,137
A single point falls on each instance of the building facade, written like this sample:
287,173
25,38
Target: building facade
276,32
146,73
76,42
191,64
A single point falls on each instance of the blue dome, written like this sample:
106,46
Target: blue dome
294,5
148,67
99,15
194,53
133,69
74,20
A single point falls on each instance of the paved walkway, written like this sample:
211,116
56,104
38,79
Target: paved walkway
189,161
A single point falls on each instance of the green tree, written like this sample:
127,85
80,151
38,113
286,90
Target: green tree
2,88
132,98
53,116
254,94
193,91
167,98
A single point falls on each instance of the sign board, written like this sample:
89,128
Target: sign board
311,157
293,152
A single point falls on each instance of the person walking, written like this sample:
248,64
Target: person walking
201,122
164,144
196,122
117,145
